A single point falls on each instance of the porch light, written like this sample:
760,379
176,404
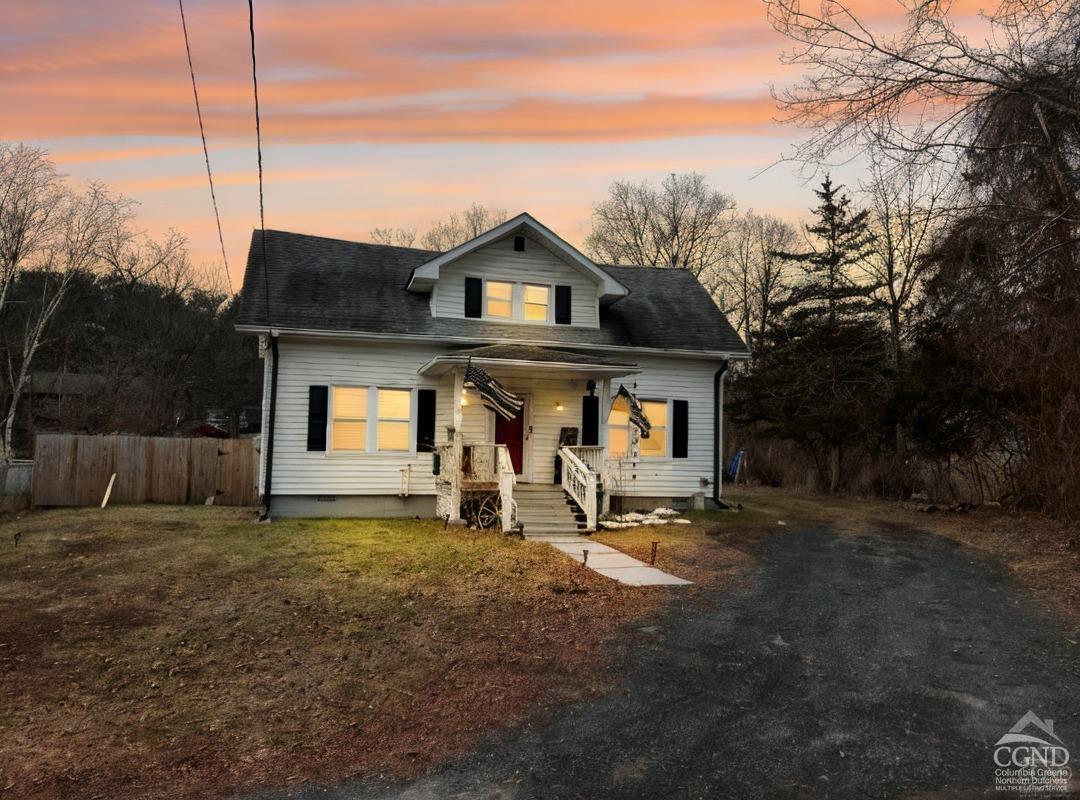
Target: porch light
464,397
558,405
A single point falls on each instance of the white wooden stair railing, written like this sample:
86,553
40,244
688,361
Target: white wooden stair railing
580,483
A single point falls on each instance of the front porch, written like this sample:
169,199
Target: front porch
556,448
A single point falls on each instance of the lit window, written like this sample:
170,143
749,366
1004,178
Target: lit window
500,299
536,303
350,418
656,413
393,430
619,428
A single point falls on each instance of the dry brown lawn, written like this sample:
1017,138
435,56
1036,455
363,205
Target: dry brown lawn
191,652
152,652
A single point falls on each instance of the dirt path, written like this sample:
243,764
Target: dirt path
880,665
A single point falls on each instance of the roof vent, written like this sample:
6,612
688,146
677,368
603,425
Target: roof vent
519,244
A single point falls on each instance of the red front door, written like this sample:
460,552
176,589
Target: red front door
511,433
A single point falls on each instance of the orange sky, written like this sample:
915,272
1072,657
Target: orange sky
395,112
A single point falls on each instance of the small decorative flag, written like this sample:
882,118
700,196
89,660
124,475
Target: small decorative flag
504,403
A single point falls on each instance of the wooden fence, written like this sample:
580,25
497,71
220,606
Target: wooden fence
74,470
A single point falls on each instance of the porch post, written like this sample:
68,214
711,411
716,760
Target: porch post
456,449
605,474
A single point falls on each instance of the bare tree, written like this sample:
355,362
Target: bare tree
753,275
49,233
920,92
459,228
1000,111
906,210
681,223
401,237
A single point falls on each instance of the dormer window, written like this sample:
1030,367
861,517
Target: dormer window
500,300
516,301
536,303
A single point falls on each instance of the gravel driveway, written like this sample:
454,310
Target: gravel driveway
881,665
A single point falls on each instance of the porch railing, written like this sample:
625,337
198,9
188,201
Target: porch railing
579,481
592,457
488,467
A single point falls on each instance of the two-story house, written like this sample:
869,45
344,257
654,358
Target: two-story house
367,410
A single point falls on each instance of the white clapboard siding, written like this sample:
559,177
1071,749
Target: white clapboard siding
499,261
314,363
671,379
541,415
304,363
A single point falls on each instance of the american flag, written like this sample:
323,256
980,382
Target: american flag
506,404
637,413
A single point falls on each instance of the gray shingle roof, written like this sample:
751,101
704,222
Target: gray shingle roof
527,352
333,285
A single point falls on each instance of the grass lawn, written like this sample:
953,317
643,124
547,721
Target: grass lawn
176,652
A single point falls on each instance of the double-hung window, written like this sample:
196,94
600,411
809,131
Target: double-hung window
349,425
394,412
620,431
536,303
353,407
619,428
656,411
499,300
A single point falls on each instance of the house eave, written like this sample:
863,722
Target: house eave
406,338
442,364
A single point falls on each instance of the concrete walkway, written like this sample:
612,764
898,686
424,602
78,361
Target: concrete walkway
608,561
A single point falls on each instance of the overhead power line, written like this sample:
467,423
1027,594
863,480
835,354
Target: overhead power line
206,151
258,149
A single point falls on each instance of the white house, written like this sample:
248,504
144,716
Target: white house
367,412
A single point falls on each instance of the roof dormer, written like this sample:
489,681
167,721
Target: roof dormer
519,233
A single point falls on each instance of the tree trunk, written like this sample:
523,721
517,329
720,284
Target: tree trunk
834,468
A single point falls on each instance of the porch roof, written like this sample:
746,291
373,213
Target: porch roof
532,357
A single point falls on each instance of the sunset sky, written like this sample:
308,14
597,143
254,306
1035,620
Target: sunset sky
396,113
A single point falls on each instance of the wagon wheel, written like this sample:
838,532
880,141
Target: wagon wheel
487,512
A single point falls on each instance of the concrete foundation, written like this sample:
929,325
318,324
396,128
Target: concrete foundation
622,504
353,506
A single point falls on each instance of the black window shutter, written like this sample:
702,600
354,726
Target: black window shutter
316,417
590,421
680,434
425,421
474,300
562,305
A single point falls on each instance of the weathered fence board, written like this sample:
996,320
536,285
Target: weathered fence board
128,454
204,470
74,470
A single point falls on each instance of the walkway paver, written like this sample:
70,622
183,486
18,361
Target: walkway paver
608,561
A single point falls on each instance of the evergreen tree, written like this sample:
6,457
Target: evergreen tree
821,378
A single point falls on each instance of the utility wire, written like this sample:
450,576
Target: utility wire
258,147
206,151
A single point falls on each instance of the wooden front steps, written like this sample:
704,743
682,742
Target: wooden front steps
546,509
